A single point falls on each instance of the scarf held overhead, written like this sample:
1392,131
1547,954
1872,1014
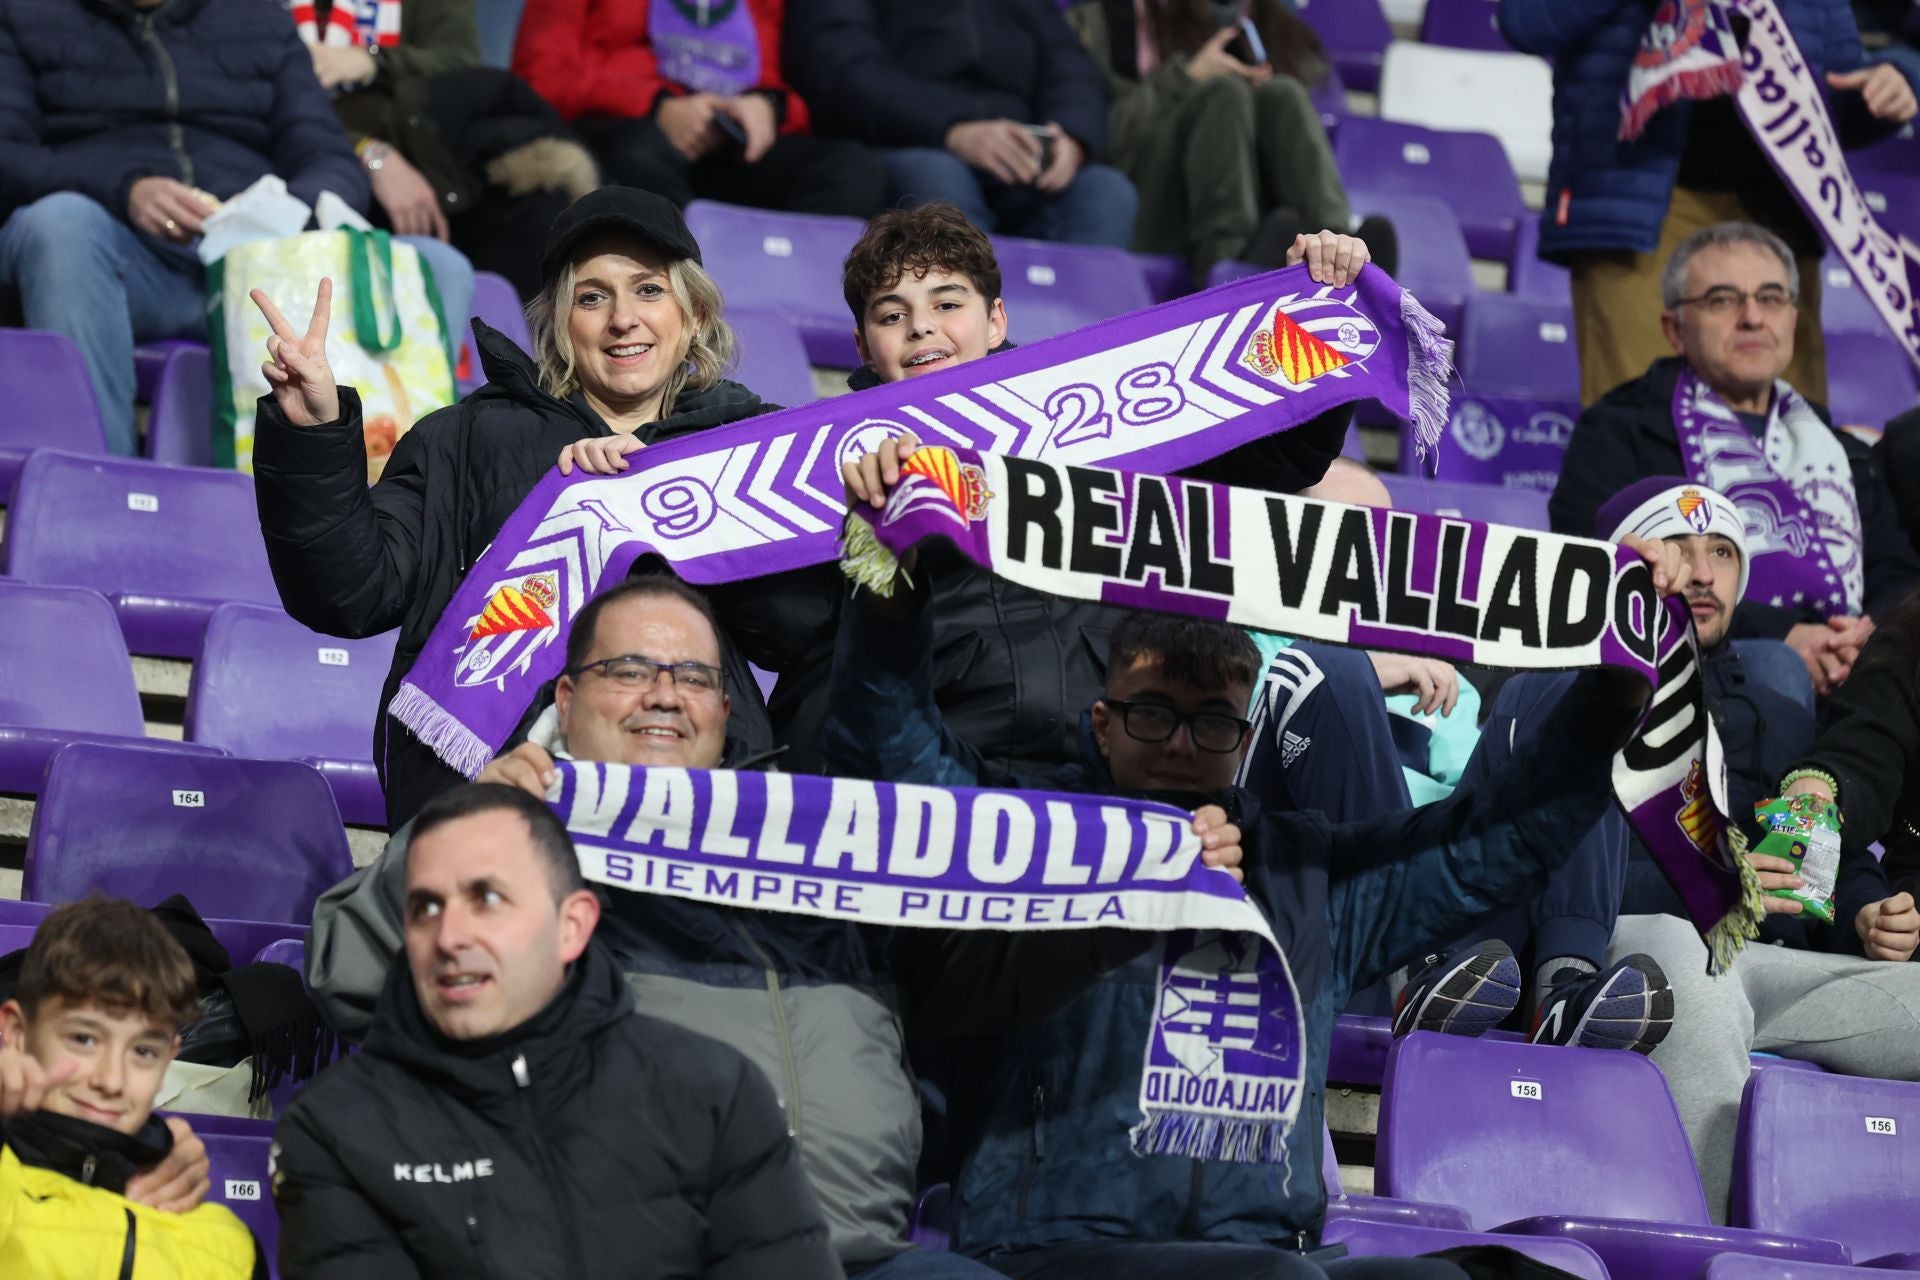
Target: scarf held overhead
1161,389
1689,51
1451,588
1225,1060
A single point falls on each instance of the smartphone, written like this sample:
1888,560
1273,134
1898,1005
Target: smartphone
1047,135
735,131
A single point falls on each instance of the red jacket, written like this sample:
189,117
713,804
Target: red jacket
592,57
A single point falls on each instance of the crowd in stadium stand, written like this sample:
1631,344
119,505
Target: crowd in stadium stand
493,1050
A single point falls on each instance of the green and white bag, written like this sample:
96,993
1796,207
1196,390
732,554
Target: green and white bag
388,338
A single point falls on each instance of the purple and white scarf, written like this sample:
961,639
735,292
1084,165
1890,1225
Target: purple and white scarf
1793,488
1225,1061
1443,586
1160,389
708,46
1689,52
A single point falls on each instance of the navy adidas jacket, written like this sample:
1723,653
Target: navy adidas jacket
1616,193
95,94
1042,1123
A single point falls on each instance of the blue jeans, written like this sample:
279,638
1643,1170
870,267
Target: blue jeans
928,1264
1096,208
1773,664
87,274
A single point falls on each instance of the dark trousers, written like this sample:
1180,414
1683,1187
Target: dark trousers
799,173
1181,1260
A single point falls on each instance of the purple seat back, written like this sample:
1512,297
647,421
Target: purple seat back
165,544
772,361
242,839
785,262
1894,198
1512,419
1820,1154
243,939
932,1225
1530,277
1521,345
1464,24
1330,97
1051,289
1896,155
239,1178
66,672
1521,508
497,302
1844,306
1747,1266
1870,379
1356,34
50,401
1367,1239
15,937
1468,171
267,688
291,952
1509,1131
1434,262
180,428
1167,277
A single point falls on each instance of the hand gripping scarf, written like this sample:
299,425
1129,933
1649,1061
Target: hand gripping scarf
1447,587
1689,51
1159,390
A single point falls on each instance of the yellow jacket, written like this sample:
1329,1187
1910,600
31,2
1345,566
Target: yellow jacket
54,1228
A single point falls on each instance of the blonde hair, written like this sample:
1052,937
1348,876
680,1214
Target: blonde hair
709,339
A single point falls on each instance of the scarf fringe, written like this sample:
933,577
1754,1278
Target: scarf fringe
1429,370
1740,925
440,729
867,561
298,1049
1698,83
1206,1137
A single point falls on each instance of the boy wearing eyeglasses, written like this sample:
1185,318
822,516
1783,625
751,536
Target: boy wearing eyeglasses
1046,1183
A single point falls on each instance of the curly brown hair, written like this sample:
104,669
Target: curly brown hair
112,954
934,237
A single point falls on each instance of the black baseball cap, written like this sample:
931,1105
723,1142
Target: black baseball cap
651,217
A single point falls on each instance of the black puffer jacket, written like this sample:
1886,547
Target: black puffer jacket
356,561
589,1141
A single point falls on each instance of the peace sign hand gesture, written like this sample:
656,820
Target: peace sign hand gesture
302,382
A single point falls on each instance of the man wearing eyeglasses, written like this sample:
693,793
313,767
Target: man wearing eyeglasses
1046,1185
1827,550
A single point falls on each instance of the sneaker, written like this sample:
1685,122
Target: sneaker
1463,994
1629,1006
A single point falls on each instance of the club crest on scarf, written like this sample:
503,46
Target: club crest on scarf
935,474
1309,336
1224,1065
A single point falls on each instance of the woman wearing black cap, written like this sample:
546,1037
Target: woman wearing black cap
629,341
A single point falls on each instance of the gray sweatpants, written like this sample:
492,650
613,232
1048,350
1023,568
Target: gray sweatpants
1858,1017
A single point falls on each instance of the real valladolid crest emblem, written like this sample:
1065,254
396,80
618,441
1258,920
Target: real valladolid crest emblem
932,476
517,615
1309,336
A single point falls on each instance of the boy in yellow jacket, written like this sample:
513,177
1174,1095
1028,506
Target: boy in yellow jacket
103,994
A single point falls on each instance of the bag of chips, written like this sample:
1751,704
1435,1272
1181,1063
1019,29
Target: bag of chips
1805,830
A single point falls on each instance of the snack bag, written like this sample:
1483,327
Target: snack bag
1805,830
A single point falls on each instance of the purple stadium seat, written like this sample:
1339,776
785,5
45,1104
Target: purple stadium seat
786,262
240,1179
1522,508
1870,379
1894,198
1358,1052
1510,422
1768,1061
1509,95
1434,262
1530,277
1464,24
1366,1238
1356,34
242,839
1405,1213
1541,1140
1898,154
1469,172
1831,1155
932,1223
291,952
1745,1266
180,426
266,688
50,402
243,939
1844,306
1226,272
495,301
1051,289
165,544
15,937
772,360
1167,276
1330,96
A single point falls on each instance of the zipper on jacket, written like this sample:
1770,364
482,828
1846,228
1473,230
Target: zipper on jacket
549,1172
128,1252
176,136
87,1168
1039,1149
788,1063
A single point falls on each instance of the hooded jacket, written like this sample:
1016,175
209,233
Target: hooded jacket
1629,435
355,561
588,1141
1042,1118
64,1214
95,95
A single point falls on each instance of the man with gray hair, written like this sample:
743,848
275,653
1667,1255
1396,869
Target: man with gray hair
1828,553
